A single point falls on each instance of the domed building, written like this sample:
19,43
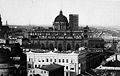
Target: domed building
61,37
61,22
64,35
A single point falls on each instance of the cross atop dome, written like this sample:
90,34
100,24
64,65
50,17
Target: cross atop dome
61,13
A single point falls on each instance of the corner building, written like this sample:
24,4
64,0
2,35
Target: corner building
74,63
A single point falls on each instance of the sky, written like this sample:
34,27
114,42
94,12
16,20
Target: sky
43,12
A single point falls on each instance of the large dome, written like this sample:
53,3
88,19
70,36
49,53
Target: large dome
61,18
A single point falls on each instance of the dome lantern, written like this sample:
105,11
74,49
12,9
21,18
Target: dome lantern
61,12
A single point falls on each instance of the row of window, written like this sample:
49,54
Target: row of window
53,34
60,60
42,72
59,37
55,60
52,44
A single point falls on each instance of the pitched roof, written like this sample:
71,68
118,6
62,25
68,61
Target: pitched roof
91,72
115,63
51,67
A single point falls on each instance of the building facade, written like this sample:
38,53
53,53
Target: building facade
73,63
61,37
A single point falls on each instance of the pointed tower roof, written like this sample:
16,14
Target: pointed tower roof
0,21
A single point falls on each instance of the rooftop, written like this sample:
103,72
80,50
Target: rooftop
115,63
54,52
51,67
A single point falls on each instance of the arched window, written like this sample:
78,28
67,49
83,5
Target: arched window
42,46
77,47
60,47
51,46
68,46
46,60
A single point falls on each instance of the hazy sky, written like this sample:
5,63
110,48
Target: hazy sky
91,12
